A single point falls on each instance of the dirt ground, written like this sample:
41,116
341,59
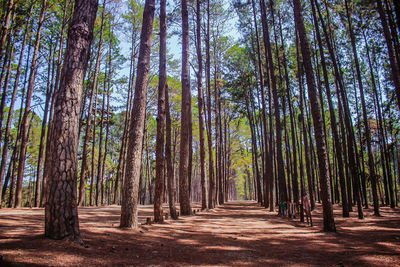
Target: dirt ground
235,234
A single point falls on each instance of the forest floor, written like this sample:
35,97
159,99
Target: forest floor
234,234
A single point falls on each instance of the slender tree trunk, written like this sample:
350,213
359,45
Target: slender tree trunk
371,163
329,223
61,213
49,94
162,82
200,100
25,120
295,184
211,191
186,115
283,197
6,27
394,64
338,147
84,167
13,98
108,115
129,211
169,159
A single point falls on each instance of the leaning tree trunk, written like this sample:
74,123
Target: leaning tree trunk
129,212
61,213
184,198
329,223
162,82
11,108
6,27
394,64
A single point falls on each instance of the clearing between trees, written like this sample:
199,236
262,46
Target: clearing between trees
235,234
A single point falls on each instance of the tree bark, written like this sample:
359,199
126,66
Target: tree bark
162,82
338,147
200,105
61,213
186,115
129,205
169,160
329,223
211,189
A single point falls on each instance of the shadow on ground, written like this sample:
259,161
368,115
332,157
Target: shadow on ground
235,234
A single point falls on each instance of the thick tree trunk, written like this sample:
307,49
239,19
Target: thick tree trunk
329,223
129,205
67,6
61,213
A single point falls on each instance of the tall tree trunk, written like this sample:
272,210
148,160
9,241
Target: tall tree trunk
47,161
108,114
295,184
371,164
169,160
338,147
329,223
267,161
84,167
351,163
49,94
25,119
13,98
162,82
200,99
283,197
211,189
61,213
129,205
186,115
